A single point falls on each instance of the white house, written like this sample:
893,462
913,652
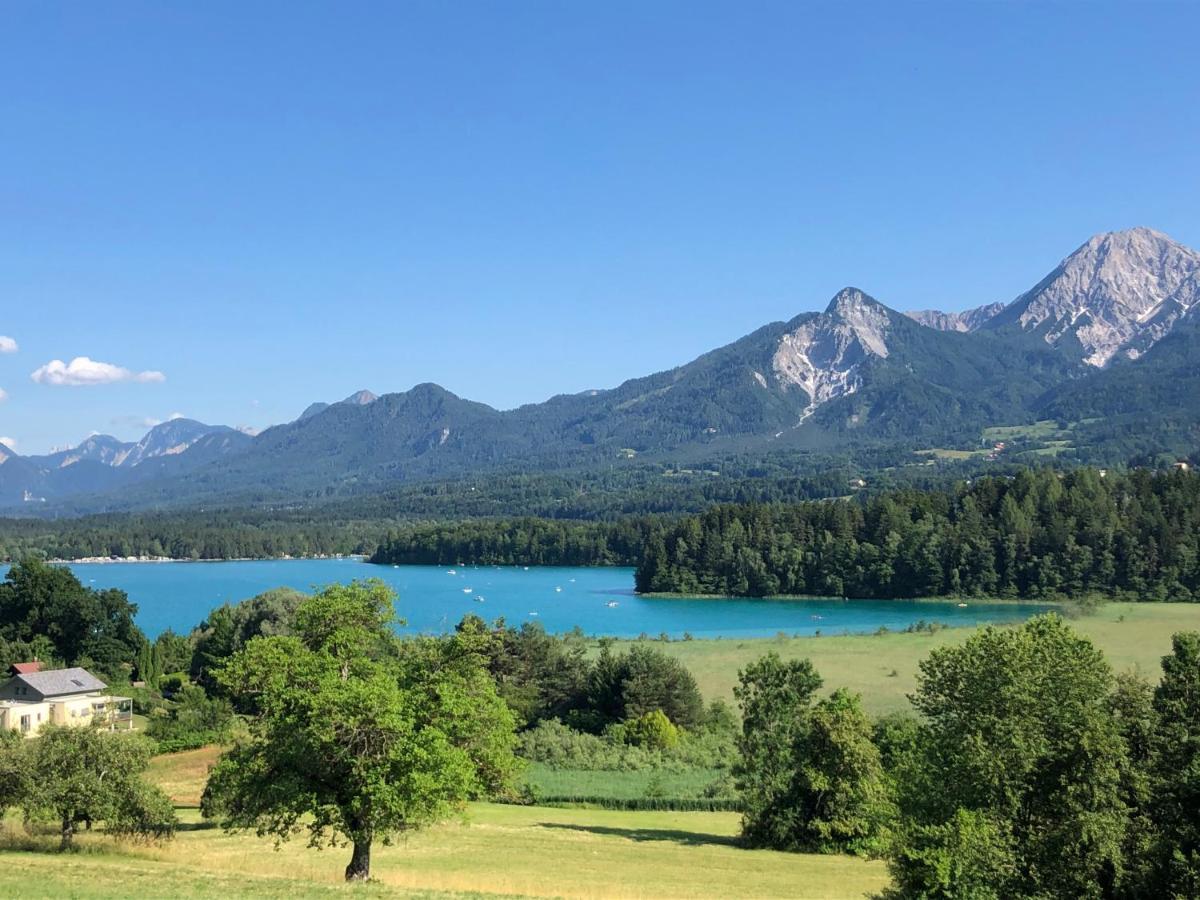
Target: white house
32,698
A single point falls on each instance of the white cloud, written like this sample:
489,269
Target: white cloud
3,395
7,345
10,443
84,371
175,415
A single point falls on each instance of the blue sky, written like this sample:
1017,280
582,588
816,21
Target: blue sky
268,204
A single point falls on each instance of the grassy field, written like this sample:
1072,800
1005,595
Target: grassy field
1046,432
495,850
1041,430
620,785
883,668
957,455
531,851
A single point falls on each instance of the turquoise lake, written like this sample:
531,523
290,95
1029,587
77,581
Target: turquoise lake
178,595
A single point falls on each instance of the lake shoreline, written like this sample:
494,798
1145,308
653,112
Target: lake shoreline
121,560
957,602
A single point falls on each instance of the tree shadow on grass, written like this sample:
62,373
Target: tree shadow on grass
688,838
202,825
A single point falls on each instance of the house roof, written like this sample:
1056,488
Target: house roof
25,668
57,682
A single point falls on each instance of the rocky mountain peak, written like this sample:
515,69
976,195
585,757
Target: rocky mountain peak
851,301
360,398
169,438
822,354
1117,295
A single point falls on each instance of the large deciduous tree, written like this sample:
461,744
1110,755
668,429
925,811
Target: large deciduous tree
349,742
811,778
776,699
840,788
1023,774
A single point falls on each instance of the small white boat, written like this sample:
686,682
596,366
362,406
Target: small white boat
395,567
468,590
558,590
961,605
612,604
526,568
451,572
479,598
533,614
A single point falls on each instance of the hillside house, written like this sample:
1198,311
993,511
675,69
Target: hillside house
32,698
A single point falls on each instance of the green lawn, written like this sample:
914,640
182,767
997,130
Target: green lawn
883,668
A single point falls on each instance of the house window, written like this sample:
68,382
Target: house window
25,724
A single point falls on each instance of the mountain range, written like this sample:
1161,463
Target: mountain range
1106,345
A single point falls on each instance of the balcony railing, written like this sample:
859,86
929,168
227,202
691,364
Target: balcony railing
114,712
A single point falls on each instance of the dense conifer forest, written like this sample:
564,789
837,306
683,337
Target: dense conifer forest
1038,535
520,542
1032,534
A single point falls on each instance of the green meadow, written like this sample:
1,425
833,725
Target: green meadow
536,851
550,782
883,667
494,850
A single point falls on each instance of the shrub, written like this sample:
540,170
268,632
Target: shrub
171,683
195,721
648,804
652,730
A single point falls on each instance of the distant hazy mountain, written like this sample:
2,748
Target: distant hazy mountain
165,439
103,463
171,439
101,448
967,320
1111,335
